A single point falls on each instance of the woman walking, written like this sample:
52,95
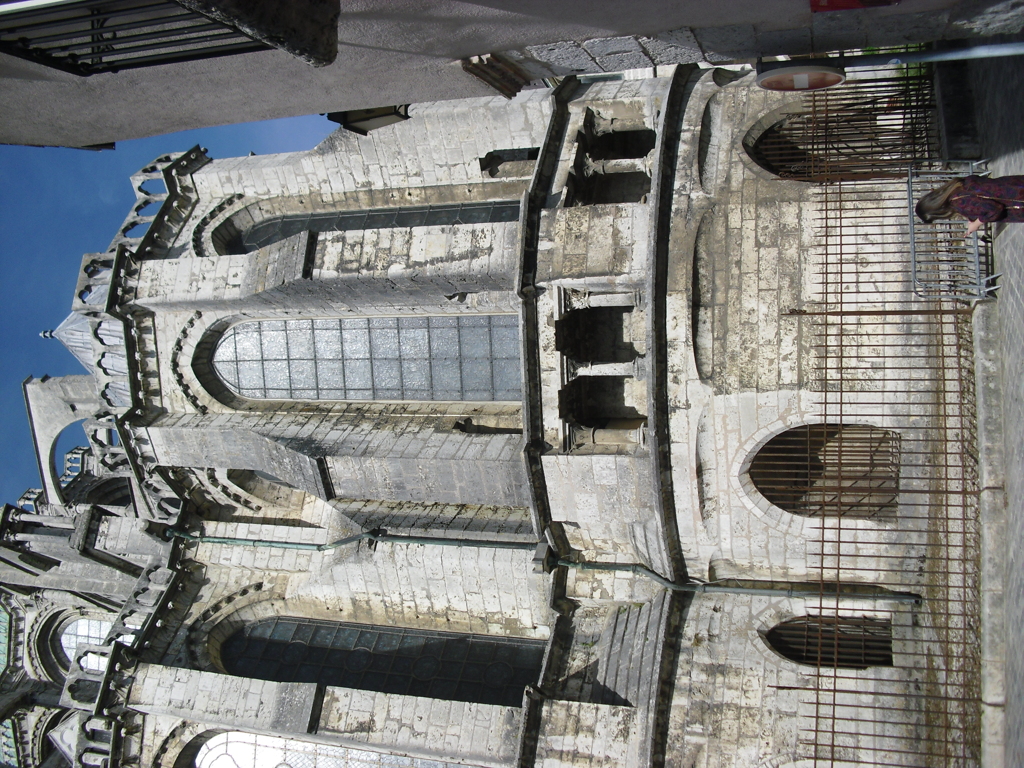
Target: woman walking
977,199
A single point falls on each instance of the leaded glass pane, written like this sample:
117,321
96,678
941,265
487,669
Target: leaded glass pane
472,357
235,749
85,632
8,744
5,637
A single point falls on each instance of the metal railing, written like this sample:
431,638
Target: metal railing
92,36
945,262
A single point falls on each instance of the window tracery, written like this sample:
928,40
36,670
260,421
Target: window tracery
454,357
247,750
85,631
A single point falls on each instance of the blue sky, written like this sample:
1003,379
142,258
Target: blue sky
57,204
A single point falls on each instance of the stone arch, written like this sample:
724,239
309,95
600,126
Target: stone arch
42,746
43,649
849,133
833,641
224,229
267,488
758,128
52,472
209,630
271,749
111,492
829,470
186,756
787,610
179,747
46,649
709,142
202,366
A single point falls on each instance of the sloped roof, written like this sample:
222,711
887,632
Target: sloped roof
75,333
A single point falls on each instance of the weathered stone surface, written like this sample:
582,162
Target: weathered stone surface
679,310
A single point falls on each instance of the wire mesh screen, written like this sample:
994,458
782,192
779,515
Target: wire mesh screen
885,356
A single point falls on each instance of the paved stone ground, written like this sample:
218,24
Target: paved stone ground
999,94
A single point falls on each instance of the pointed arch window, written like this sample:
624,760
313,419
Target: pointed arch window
871,127
236,749
830,470
834,641
232,236
453,357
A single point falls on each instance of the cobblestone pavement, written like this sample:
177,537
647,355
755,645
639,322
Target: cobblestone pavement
999,95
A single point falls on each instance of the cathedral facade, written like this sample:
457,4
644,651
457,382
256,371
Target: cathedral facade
605,425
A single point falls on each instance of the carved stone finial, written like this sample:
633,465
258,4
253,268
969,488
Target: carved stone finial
46,334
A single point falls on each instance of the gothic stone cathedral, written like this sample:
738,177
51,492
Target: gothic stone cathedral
599,426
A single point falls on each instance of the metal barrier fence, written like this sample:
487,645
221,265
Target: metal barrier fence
944,262
887,356
875,125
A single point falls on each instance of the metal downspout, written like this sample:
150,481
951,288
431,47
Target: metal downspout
544,557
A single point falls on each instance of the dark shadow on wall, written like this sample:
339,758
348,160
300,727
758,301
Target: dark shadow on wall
440,665
232,240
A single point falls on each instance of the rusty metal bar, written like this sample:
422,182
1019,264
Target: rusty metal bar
887,357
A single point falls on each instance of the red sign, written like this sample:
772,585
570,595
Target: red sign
819,6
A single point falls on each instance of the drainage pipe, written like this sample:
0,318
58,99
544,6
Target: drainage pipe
701,587
545,557
377,534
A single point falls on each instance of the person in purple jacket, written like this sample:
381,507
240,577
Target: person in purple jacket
977,199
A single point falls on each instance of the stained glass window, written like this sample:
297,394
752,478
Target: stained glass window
453,357
5,637
85,632
8,744
247,750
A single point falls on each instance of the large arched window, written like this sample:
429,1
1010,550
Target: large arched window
452,357
84,631
834,641
412,662
232,236
235,749
830,470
